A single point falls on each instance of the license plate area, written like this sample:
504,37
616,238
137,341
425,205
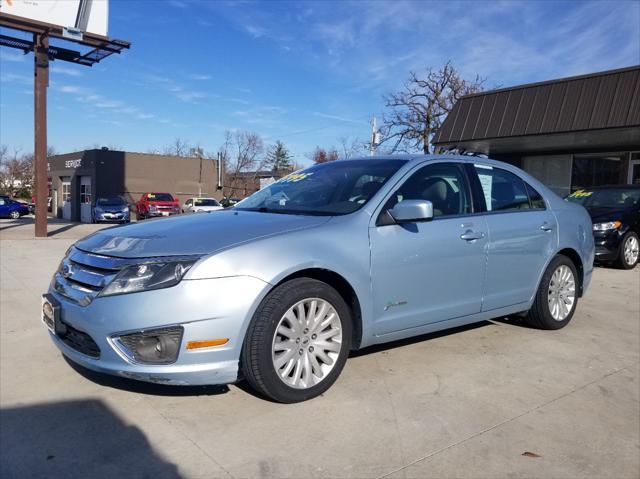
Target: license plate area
51,314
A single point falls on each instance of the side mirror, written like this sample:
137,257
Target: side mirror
411,211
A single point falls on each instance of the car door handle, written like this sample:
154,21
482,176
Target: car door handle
546,227
470,235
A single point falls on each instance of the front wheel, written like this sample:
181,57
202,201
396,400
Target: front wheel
629,251
557,296
15,215
298,341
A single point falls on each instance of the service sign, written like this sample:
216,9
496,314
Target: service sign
90,16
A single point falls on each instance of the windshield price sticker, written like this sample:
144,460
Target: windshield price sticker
581,194
295,177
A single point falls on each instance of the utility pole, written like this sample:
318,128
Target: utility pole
41,66
375,136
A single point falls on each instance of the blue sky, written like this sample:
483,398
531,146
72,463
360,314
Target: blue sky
306,73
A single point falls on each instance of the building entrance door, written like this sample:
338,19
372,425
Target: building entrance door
634,169
85,199
66,197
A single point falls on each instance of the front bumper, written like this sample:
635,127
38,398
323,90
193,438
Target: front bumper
161,213
109,216
607,245
206,309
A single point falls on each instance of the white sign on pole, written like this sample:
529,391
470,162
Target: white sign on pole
90,16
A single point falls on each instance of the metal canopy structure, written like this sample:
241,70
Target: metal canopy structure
100,48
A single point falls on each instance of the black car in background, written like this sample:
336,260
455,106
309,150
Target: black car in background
615,212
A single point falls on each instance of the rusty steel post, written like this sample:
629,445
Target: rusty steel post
41,82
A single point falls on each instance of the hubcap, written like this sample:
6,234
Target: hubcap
631,250
307,343
562,293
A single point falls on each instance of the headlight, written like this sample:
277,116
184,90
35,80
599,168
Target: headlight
609,225
152,207
147,276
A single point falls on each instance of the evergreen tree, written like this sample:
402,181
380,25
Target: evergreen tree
278,157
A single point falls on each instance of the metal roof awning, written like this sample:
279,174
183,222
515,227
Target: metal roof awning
601,108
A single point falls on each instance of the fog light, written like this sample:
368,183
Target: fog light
158,346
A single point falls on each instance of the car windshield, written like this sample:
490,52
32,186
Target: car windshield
110,200
607,198
334,188
205,202
160,197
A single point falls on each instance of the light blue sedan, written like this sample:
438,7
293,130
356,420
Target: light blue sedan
334,258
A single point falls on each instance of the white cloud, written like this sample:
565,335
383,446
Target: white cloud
339,118
12,56
199,77
65,70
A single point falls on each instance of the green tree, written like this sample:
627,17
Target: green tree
278,157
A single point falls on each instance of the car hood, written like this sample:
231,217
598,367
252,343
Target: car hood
602,215
200,234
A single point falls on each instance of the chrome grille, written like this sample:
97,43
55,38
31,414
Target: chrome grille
81,275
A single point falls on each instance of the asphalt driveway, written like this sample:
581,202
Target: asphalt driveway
493,400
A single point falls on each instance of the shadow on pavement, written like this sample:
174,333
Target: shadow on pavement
416,339
142,387
81,438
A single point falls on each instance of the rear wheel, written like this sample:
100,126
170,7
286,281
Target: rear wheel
629,251
298,341
557,296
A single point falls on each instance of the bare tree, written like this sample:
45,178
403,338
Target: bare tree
243,159
417,111
16,172
321,155
350,147
179,147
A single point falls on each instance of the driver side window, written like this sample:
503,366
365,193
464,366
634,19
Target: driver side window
443,184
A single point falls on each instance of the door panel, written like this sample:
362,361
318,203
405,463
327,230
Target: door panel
519,248
523,234
85,199
66,198
425,272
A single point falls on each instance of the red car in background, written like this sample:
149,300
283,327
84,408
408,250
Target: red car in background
157,204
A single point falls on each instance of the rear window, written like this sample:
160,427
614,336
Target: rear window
160,197
537,202
205,202
503,191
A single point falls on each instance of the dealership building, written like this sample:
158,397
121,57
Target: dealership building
77,178
569,133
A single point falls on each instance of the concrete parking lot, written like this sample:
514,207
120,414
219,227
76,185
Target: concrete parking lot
494,400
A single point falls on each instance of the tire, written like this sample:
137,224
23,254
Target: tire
547,311
298,378
15,215
629,255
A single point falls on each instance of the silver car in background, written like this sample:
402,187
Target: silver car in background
333,258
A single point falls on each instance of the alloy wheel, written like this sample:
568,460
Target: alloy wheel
562,293
631,250
307,343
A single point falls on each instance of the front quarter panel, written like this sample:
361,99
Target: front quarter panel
340,245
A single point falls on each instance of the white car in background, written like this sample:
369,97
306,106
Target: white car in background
198,205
